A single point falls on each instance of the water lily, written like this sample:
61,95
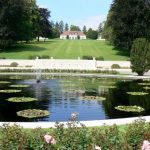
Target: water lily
49,139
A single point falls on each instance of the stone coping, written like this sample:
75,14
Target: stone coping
94,123
84,75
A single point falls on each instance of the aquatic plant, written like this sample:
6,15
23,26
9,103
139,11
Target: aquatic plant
108,87
137,93
15,77
146,87
33,113
10,91
4,82
144,84
93,98
21,99
19,86
130,108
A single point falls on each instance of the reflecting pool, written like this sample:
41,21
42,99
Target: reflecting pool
62,96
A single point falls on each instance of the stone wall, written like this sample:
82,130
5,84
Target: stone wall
65,64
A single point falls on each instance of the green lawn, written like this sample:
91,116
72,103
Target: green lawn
65,49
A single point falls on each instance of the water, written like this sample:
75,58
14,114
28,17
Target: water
62,96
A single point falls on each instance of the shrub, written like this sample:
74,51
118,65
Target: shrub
45,57
108,138
140,56
87,57
100,58
136,133
115,66
12,137
14,64
34,56
74,137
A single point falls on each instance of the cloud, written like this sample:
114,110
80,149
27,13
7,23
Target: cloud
89,22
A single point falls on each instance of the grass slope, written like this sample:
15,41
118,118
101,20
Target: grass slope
65,49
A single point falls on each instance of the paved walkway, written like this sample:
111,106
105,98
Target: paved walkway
94,123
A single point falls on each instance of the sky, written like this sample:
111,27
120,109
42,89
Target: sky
78,12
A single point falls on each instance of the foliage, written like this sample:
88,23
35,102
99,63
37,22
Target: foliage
135,133
74,28
115,66
43,28
74,137
66,27
92,34
84,30
14,64
130,108
12,137
20,11
140,47
128,137
108,138
100,58
128,22
87,57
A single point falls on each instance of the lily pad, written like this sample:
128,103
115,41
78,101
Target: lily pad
4,82
20,86
93,98
146,87
145,84
10,91
15,77
33,113
130,108
137,93
108,87
21,99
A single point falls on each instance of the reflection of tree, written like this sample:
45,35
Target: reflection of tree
119,96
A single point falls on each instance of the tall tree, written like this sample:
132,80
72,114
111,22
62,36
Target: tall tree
100,27
44,25
21,12
66,27
74,28
129,20
61,26
84,29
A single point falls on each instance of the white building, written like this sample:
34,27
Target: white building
73,35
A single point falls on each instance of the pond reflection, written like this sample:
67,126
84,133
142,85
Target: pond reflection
62,96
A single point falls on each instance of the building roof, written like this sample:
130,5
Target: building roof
73,33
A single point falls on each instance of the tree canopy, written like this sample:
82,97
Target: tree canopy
129,19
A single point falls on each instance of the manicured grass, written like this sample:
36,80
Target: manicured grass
65,49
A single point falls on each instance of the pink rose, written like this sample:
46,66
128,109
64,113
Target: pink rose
49,139
146,145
